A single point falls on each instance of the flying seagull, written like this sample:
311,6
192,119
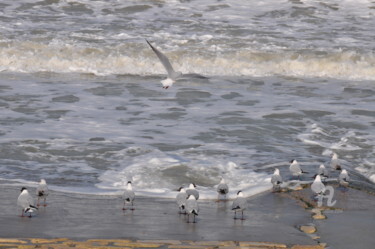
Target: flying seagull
222,189
239,204
181,200
26,202
128,196
42,192
191,208
276,180
172,74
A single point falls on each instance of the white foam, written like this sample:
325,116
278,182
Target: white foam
155,174
131,59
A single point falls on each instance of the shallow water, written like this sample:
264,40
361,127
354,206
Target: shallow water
82,104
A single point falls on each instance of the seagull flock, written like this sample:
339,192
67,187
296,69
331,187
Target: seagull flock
187,199
318,187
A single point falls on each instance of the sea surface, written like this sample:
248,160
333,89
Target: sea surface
82,105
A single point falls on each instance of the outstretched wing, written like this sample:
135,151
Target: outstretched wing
164,60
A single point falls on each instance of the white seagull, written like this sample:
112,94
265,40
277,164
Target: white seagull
172,74
344,178
181,200
335,162
191,208
192,191
276,180
26,202
222,188
128,196
295,168
323,172
42,192
317,186
239,204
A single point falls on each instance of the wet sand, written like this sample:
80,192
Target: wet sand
270,217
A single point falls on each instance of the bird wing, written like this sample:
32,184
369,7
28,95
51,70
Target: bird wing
276,179
239,203
128,195
164,60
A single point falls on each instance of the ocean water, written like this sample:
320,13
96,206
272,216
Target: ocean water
82,104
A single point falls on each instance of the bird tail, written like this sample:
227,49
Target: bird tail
235,208
195,212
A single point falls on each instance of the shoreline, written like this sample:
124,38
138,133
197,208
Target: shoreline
270,217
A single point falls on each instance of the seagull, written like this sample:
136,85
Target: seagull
128,196
172,74
344,178
222,188
335,163
239,204
276,180
323,172
317,186
192,191
181,200
191,208
42,192
295,169
26,202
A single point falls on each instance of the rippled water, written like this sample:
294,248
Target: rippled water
82,104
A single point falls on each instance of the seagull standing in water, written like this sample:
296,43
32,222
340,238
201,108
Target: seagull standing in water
335,163
172,74
192,191
239,204
276,180
191,208
128,196
42,192
181,200
26,202
222,189
344,178
295,168
323,172
317,186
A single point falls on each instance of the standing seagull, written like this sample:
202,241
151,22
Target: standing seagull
192,191
335,163
295,169
128,196
191,208
317,186
222,189
172,74
323,172
26,202
276,180
239,204
181,200
344,178
42,192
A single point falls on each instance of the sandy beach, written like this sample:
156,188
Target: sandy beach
270,217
